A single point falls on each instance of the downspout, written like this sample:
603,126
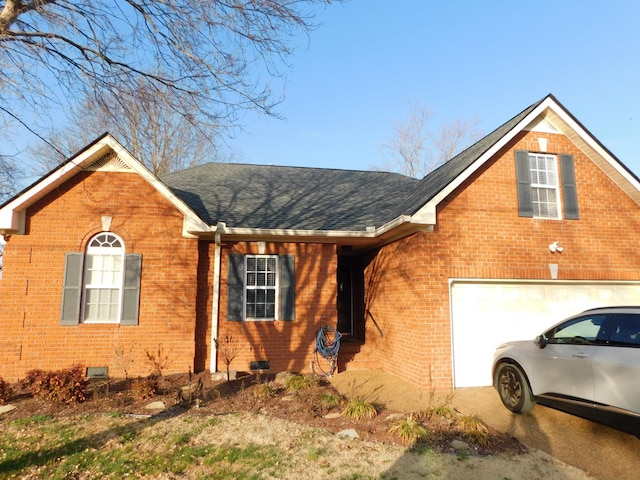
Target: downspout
215,300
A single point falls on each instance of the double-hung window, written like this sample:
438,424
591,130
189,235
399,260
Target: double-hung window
545,195
541,178
261,274
261,287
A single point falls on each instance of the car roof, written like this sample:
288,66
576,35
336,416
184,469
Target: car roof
612,309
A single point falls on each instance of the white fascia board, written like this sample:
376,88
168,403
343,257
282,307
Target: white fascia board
393,224
587,143
299,233
427,214
12,214
192,224
319,235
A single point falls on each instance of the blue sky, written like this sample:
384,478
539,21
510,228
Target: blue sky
463,60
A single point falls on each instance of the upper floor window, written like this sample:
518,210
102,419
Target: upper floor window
541,179
101,285
545,195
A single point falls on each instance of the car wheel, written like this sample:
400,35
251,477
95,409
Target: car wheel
514,389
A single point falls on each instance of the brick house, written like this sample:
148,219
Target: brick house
106,264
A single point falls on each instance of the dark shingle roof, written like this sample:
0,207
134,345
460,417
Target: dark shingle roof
271,197
437,180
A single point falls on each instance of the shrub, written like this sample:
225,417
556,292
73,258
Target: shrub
143,388
474,429
265,390
330,400
359,409
295,383
5,391
410,430
63,386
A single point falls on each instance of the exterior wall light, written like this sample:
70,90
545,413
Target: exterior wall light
555,247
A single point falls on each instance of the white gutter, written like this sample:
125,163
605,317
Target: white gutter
215,301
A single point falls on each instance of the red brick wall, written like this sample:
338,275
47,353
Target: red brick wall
31,287
287,345
480,235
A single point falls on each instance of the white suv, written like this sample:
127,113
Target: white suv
590,361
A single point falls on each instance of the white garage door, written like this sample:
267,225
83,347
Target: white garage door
485,314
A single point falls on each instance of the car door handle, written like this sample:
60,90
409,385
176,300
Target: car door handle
580,355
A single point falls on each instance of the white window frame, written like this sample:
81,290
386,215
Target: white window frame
537,186
105,245
255,287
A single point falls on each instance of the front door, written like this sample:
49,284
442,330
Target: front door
345,299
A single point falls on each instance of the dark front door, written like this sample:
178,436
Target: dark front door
345,299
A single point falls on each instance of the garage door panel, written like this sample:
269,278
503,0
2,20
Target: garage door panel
486,314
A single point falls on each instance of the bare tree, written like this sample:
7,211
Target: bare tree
163,139
9,177
414,150
209,59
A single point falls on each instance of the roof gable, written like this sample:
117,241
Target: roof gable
104,154
546,114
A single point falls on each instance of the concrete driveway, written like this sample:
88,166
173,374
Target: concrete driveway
603,452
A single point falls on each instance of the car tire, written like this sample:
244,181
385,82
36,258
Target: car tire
513,388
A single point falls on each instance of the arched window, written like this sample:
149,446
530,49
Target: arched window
104,262
101,285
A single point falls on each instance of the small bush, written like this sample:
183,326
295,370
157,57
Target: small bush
295,383
410,430
143,388
63,386
444,411
5,391
265,390
359,409
330,400
474,429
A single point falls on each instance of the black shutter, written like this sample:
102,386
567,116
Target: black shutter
235,288
569,187
286,265
131,290
72,289
523,178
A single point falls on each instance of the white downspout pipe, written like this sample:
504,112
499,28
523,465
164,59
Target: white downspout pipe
215,300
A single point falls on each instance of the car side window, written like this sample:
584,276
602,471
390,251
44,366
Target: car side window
578,331
626,330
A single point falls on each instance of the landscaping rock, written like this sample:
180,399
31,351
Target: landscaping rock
459,445
6,408
333,415
155,406
349,433
222,376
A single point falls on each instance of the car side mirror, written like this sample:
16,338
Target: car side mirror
541,341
